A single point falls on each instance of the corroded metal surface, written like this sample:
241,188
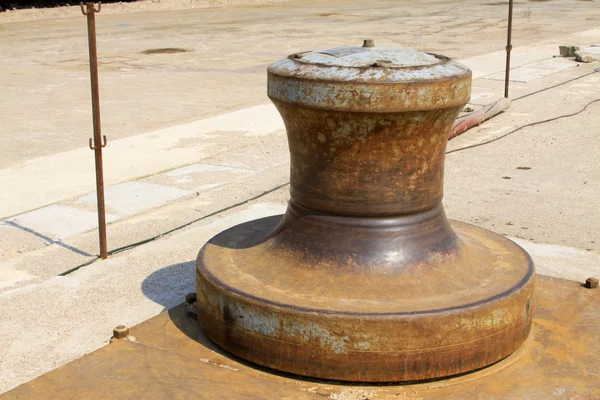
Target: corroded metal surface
367,164
364,278
403,80
329,298
172,359
317,86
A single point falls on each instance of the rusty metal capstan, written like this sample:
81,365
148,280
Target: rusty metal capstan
364,278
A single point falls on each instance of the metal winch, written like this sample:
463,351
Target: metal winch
364,278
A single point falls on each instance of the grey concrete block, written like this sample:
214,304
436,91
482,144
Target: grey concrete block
584,57
568,51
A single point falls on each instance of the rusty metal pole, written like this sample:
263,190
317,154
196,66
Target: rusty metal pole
508,47
99,140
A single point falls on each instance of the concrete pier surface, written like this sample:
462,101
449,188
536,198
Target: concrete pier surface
193,137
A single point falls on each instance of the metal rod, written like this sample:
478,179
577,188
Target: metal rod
98,143
508,47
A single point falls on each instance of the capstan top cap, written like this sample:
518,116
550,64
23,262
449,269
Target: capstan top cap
388,57
369,79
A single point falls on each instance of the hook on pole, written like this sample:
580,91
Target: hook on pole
90,8
93,145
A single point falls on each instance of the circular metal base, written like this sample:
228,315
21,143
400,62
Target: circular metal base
271,292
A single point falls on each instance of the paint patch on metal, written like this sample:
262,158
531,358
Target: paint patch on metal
252,319
496,319
311,331
363,345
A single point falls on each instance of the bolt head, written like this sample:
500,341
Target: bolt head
383,63
368,43
120,332
190,298
591,283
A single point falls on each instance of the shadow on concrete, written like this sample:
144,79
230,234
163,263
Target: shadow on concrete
48,240
169,285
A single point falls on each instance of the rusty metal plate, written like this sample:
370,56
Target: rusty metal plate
172,359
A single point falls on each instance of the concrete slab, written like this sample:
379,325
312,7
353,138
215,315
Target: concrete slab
135,197
535,183
204,168
562,261
57,222
201,177
128,288
593,51
130,158
536,70
589,35
262,154
43,260
11,275
492,63
14,241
